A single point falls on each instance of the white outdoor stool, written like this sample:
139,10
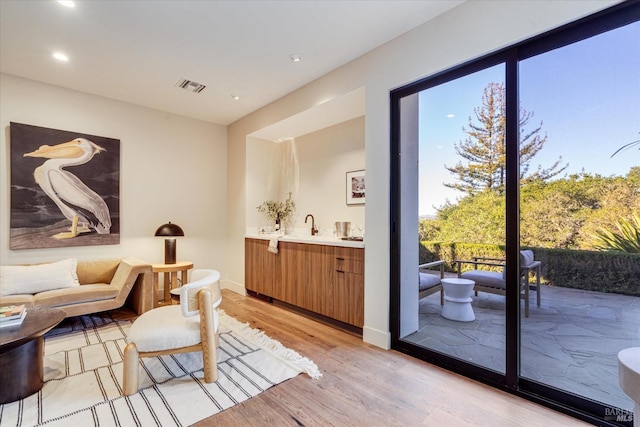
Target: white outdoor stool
629,377
457,300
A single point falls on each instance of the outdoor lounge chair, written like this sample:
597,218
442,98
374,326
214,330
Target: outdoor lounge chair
494,281
429,282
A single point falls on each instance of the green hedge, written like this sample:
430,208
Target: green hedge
612,272
449,252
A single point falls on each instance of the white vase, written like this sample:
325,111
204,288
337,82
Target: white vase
289,226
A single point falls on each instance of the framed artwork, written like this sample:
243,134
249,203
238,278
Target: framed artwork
65,188
355,188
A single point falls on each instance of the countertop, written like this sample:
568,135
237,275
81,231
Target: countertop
312,240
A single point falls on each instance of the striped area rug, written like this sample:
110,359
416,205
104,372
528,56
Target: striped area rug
83,377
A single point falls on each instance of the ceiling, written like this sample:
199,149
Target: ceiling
137,51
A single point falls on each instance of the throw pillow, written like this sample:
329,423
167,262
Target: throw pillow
526,257
31,279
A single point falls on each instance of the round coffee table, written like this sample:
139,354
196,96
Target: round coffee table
21,353
457,299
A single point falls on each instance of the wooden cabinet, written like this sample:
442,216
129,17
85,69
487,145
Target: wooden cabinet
324,279
305,272
261,267
348,286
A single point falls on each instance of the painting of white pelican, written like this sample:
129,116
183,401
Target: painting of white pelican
64,188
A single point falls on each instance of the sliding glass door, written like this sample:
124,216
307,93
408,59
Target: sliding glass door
460,129
520,172
586,97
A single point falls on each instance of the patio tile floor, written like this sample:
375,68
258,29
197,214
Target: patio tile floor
570,342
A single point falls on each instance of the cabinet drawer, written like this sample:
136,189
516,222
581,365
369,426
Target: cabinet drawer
348,265
349,260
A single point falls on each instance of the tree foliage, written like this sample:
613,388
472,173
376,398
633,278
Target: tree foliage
484,148
477,218
566,213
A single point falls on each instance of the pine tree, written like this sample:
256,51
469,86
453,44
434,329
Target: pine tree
484,148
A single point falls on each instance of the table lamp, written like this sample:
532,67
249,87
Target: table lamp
169,230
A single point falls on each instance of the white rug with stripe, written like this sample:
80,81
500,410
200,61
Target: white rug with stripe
83,377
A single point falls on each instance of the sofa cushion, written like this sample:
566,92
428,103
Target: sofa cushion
77,295
97,271
26,299
31,279
491,279
428,281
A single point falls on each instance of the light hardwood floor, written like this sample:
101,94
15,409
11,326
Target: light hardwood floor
363,385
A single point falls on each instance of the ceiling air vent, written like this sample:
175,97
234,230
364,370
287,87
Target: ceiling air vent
191,86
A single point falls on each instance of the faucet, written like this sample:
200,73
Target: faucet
314,230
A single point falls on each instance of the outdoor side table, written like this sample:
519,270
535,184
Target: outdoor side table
457,299
629,378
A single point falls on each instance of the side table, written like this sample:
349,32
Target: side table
457,299
629,379
170,272
21,353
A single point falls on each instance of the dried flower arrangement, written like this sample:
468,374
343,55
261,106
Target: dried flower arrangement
281,211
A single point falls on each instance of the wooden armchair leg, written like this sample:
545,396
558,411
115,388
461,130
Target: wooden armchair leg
130,370
208,336
209,359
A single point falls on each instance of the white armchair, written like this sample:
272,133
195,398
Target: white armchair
176,329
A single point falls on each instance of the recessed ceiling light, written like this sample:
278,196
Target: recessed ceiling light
294,57
236,97
67,3
61,56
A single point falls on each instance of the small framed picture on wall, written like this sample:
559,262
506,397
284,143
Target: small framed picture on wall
355,188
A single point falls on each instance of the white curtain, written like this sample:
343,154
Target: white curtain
284,173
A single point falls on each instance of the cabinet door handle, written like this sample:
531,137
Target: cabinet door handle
340,259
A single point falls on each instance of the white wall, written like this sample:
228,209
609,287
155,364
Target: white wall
324,157
259,157
171,168
468,31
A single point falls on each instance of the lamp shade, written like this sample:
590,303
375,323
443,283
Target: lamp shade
169,229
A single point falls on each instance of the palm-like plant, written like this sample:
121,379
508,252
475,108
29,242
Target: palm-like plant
626,239
626,147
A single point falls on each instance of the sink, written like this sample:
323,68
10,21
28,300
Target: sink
305,237
629,376
309,239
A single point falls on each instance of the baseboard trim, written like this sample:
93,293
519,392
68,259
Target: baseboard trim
371,336
376,337
236,287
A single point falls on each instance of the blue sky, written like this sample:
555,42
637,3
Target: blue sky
587,96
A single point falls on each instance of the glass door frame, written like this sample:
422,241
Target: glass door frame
511,381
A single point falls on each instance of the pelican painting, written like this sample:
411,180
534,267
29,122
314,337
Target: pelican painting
86,210
65,188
